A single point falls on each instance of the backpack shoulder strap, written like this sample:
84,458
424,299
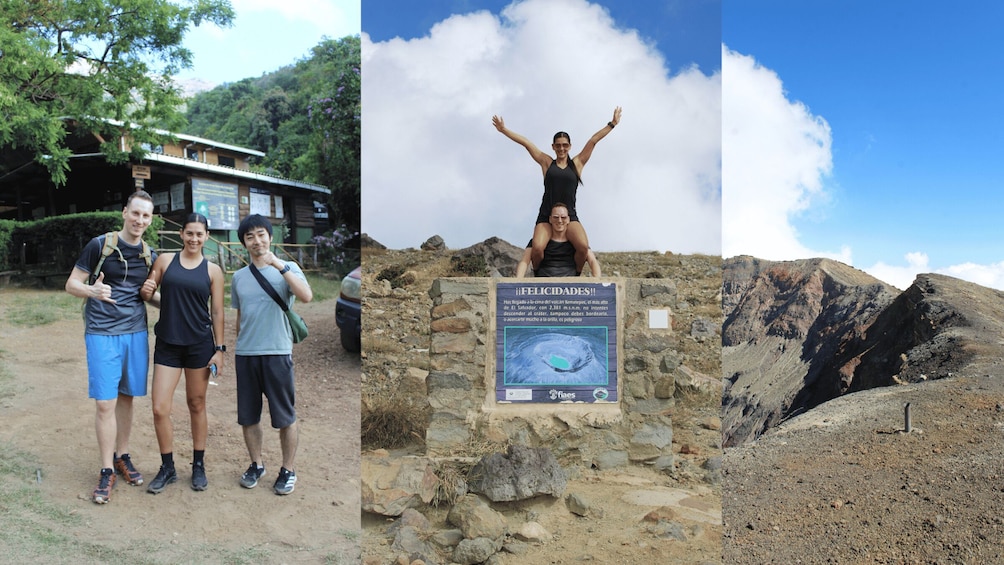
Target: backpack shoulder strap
146,254
111,245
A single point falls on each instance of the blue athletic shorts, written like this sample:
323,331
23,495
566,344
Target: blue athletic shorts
117,364
271,375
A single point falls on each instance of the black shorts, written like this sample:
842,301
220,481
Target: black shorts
268,375
195,356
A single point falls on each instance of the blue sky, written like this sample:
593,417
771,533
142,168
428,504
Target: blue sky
881,123
266,35
434,73
685,31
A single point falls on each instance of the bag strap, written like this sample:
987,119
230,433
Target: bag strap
268,288
110,246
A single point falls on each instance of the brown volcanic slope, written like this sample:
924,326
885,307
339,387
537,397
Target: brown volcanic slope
800,333
785,323
843,483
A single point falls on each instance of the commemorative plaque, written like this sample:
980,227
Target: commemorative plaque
556,342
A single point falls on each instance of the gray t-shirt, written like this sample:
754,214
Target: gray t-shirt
125,275
264,329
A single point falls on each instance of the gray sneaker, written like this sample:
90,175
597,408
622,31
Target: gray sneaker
250,477
285,482
199,480
164,477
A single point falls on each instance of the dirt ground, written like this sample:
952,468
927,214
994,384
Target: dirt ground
843,483
49,416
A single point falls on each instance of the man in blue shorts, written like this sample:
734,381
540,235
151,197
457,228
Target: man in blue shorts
115,334
263,357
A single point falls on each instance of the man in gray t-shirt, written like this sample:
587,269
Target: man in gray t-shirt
263,357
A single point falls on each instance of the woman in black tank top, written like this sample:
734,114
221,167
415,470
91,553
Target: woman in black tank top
561,181
189,340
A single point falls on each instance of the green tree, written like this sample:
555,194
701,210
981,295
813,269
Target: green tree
334,115
304,117
91,61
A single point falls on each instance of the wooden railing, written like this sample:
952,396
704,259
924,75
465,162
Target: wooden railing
232,256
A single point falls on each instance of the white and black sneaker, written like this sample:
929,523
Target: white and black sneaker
285,482
250,477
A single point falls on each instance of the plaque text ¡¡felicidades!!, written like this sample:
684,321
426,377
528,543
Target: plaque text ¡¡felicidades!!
556,342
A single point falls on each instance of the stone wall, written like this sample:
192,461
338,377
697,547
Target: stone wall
637,428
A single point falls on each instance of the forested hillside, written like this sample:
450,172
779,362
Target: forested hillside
305,117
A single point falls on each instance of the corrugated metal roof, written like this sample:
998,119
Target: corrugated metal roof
230,171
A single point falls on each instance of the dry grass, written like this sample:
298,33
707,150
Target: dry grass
392,422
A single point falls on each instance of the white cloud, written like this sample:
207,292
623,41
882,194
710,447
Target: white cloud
433,164
900,276
987,275
332,15
775,155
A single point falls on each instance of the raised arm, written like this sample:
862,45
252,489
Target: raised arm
587,149
543,159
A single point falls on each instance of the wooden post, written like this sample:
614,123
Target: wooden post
906,415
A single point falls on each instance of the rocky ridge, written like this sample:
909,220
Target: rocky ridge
835,475
799,333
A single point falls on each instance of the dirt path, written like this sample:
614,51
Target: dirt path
49,416
843,483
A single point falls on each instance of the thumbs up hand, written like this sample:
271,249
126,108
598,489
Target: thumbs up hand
102,291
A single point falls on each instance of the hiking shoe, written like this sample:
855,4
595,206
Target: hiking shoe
164,477
250,477
285,482
199,481
123,466
106,483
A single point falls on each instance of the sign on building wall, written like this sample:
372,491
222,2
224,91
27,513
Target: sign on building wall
178,196
217,201
261,202
556,342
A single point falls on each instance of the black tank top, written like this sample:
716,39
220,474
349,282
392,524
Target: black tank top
560,185
184,304
559,260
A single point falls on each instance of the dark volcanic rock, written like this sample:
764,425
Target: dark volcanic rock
434,243
368,242
784,323
501,257
800,333
523,472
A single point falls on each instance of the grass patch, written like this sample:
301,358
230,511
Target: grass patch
324,287
42,310
6,379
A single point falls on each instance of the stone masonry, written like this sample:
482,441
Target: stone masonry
635,429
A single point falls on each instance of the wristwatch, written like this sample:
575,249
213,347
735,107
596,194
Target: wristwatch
222,348
284,270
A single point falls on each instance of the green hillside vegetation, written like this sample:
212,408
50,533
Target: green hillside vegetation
305,117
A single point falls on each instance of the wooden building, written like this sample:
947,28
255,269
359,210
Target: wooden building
191,174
